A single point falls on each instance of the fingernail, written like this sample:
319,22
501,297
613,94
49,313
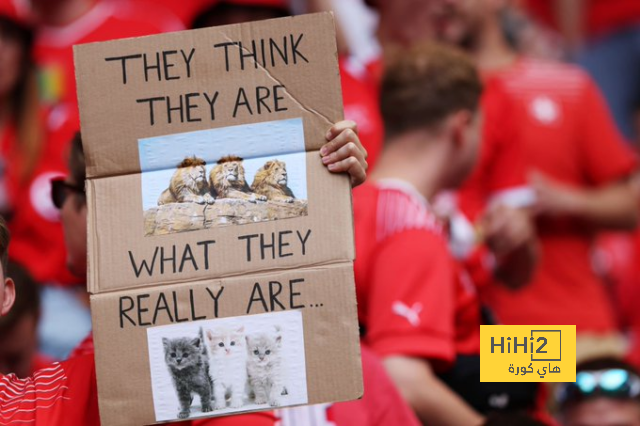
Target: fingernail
325,160
331,166
328,136
323,151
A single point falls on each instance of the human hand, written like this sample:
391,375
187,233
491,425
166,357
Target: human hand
506,229
343,153
552,197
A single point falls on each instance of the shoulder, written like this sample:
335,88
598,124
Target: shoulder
531,75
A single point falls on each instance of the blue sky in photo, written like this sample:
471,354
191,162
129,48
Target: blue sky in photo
256,143
267,139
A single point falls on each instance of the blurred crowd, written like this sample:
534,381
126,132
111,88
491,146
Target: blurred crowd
503,187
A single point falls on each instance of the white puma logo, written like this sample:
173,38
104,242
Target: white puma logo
412,314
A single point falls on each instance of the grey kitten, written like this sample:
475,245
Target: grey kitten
189,367
264,367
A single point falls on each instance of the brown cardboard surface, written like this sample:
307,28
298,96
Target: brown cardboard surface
112,118
118,246
165,261
330,335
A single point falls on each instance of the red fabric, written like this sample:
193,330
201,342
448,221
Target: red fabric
468,317
601,17
404,275
9,9
185,11
66,394
40,362
105,21
619,258
37,240
500,167
382,404
361,104
569,136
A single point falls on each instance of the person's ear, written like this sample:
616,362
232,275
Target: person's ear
9,296
459,124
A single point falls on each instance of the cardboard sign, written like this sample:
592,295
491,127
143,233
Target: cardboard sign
220,248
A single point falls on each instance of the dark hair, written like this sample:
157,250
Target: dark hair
222,13
27,297
425,83
5,237
77,166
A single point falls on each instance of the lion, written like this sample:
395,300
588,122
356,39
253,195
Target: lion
188,184
271,181
227,180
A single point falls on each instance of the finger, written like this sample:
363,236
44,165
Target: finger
340,127
345,137
353,167
348,150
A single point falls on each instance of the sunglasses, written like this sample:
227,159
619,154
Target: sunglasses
60,190
614,383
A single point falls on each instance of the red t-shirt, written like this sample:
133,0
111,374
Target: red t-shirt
380,405
186,11
568,135
37,240
66,394
107,20
499,174
468,318
601,16
361,104
404,274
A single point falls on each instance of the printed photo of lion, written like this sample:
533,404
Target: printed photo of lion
188,184
227,180
271,181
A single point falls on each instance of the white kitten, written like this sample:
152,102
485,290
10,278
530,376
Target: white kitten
228,366
264,367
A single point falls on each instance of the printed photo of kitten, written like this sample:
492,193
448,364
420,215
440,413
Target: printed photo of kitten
189,367
264,367
227,365
227,352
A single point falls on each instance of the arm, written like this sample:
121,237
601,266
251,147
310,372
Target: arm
613,206
434,403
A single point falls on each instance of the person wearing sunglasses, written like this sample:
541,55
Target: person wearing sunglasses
606,393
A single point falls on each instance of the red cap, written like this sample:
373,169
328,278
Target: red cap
16,11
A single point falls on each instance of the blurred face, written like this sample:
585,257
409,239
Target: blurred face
452,21
74,222
11,58
18,347
458,21
604,412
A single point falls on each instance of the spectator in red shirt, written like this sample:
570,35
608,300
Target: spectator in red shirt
577,164
65,394
490,206
30,155
604,37
359,87
37,230
405,277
